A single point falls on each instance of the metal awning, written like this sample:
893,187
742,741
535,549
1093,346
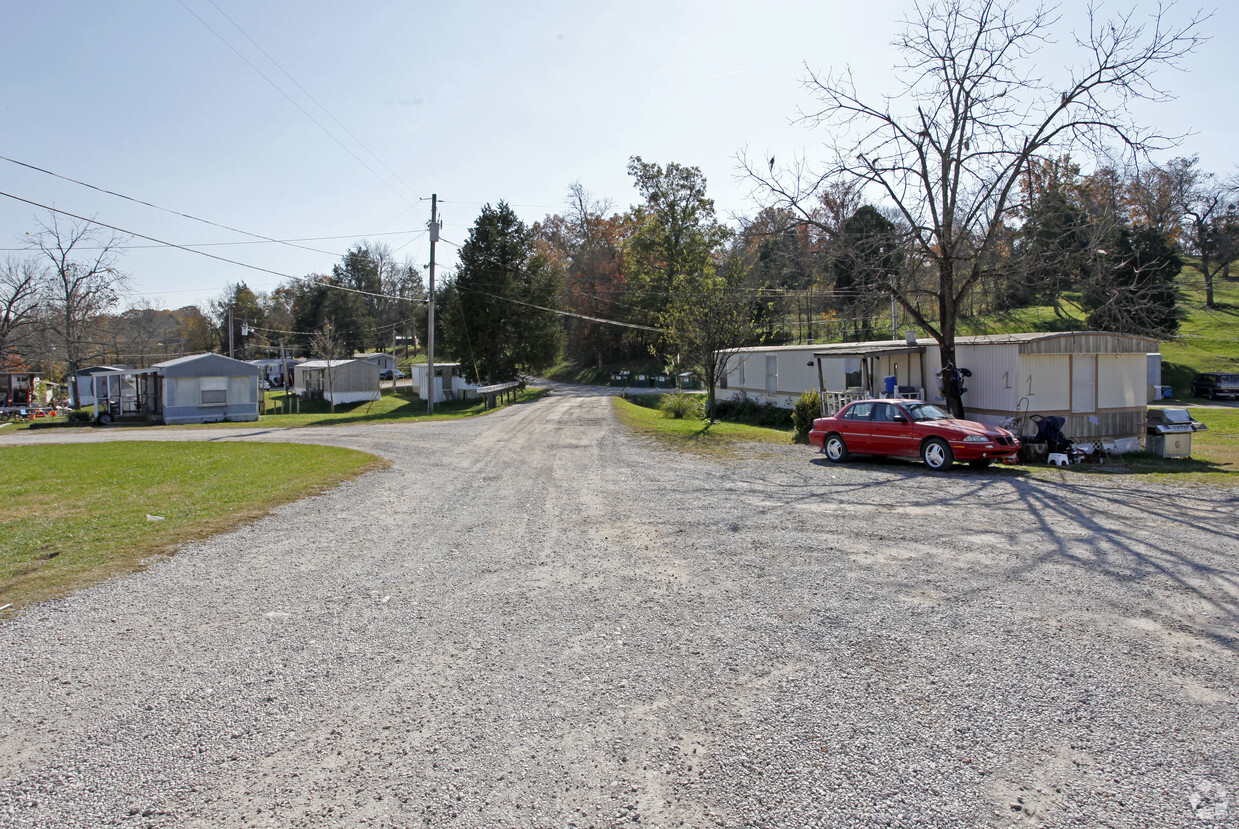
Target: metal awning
879,349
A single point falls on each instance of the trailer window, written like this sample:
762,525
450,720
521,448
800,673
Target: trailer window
214,391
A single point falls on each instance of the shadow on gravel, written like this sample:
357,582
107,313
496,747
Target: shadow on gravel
1111,552
1095,526
248,434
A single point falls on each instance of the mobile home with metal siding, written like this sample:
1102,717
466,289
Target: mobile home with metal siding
339,381
771,374
206,388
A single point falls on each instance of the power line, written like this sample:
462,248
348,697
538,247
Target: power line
317,103
258,236
277,88
563,313
208,255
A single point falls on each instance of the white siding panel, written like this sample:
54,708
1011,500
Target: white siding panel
1084,383
1121,380
1046,381
834,371
797,372
994,383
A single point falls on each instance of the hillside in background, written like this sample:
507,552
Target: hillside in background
1208,338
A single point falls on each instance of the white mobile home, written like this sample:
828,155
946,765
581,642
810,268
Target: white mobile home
776,374
385,362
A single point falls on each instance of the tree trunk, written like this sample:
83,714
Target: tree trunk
1208,272
947,309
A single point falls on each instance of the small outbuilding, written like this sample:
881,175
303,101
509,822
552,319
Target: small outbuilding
449,382
339,381
17,389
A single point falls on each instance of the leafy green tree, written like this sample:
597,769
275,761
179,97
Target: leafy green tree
495,318
248,317
675,233
708,318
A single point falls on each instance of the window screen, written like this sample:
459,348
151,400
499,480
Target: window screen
240,390
214,390
185,391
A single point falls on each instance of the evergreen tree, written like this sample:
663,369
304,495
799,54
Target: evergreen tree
493,317
1135,291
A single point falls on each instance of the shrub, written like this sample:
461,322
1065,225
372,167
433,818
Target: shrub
680,405
808,408
749,411
79,416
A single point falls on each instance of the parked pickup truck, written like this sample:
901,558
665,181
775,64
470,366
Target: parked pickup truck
1214,386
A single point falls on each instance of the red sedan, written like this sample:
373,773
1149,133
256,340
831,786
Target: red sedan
911,429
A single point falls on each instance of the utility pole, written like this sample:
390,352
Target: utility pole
430,313
230,329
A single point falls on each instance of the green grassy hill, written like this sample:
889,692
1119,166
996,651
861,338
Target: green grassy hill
1208,338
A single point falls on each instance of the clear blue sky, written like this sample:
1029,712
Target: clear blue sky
474,101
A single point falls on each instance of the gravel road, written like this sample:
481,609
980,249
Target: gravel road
532,619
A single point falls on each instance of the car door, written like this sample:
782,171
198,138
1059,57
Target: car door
891,437
857,427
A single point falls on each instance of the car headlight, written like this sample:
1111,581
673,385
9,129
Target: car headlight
977,439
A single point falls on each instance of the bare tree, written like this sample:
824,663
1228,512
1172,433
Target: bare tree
1207,208
22,284
326,344
84,282
948,149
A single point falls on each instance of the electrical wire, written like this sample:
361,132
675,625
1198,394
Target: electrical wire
303,110
317,103
164,209
313,280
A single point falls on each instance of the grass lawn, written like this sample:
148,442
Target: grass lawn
401,405
720,439
74,515
1214,460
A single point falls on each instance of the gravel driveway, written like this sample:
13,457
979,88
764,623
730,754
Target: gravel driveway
532,619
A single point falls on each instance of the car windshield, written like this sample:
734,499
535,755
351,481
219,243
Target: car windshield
925,411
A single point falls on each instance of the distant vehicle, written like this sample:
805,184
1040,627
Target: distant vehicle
1214,386
387,375
911,429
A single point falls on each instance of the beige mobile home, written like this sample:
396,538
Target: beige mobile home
340,381
1094,379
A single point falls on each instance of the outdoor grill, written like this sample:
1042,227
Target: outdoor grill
1170,432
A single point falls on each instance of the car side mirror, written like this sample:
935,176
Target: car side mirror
899,419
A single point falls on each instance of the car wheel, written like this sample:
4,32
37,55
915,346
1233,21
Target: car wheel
836,450
1213,394
105,419
937,454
